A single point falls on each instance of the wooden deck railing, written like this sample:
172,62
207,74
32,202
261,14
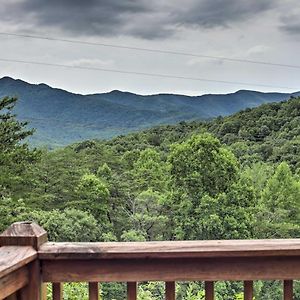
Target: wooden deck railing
28,262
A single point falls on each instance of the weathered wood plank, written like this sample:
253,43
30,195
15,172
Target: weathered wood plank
174,249
288,290
170,290
93,291
57,291
131,290
209,290
13,258
248,290
206,269
33,290
13,281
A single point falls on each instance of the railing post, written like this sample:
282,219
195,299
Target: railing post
27,234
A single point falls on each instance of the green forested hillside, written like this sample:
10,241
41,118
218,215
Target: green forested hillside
236,177
61,118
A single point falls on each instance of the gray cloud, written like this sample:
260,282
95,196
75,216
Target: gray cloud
208,13
140,18
291,23
91,17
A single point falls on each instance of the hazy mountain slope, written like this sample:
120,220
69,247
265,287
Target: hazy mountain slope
61,117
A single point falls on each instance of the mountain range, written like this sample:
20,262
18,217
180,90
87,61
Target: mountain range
61,117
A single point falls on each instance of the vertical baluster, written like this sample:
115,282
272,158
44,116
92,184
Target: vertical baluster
170,290
131,290
93,291
209,290
288,290
57,291
248,290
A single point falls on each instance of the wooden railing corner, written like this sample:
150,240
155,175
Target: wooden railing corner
21,241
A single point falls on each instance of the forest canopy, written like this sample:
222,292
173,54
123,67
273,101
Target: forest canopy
236,177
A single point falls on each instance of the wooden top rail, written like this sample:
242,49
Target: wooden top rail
170,249
14,257
14,268
171,261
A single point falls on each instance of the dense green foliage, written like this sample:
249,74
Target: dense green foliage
236,177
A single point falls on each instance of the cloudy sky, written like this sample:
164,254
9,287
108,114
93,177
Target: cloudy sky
256,30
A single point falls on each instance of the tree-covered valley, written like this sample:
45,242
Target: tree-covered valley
62,118
234,177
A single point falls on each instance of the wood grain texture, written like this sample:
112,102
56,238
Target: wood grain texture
23,234
13,281
131,290
33,290
57,291
13,257
288,290
209,290
206,269
170,290
174,249
248,290
93,291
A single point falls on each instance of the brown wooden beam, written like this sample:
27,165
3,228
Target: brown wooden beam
243,268
13,281
171,249
33,290
14,257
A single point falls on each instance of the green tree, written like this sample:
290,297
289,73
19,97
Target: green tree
15,155
201,165
93,194
279,210
202,171
283,192
68,225
150,171
148,216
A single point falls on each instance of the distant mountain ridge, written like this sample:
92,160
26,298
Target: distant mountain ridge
61,117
